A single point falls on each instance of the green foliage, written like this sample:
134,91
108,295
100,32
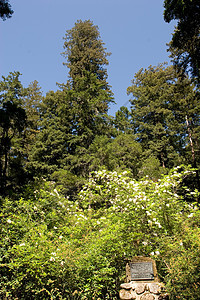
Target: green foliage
70,238
98,153
5,9
51,145
32,254
67,182
12,124
120,153
185,43
124,154
148,218
73,117
152,90
89,94
32,104
151,167
122,120
85,51
52,248
160,107
181,259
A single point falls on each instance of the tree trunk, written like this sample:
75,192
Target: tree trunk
193,155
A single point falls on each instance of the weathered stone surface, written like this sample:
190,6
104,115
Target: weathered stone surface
126,286
140,288
133,285
126,295
147,296
154,288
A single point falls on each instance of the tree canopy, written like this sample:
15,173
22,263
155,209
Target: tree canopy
185,43
12,125
76,183
5,9
160,105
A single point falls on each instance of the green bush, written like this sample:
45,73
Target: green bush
53,248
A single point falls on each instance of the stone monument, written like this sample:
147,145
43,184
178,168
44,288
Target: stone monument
142,282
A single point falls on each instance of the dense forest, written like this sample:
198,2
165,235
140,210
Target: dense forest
82,191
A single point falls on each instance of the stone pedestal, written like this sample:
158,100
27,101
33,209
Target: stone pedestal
142,282
143,291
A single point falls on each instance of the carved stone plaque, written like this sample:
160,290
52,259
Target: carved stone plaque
141,271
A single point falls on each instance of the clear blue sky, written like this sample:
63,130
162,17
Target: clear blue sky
133,31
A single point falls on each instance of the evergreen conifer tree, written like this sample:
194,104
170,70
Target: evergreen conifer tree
12,124
160,105
72,117
185,43
90,94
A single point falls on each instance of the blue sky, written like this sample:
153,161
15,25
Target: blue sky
133,31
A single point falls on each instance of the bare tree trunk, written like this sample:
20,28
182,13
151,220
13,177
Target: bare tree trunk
162,159
191,142
193,154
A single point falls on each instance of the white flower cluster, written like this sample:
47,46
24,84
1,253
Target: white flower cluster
155,205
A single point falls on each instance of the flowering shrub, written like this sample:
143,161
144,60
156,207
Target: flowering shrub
52,248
